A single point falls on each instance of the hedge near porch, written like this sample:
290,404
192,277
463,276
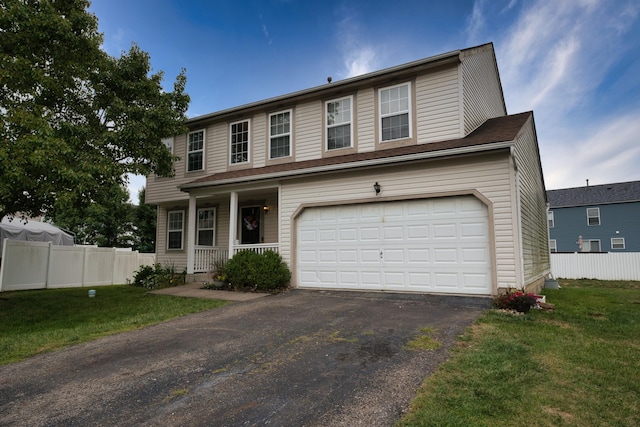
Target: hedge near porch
265,272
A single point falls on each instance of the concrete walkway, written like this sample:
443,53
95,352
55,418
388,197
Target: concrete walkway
194,290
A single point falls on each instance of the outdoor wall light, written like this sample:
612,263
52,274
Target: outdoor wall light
376,187
266,209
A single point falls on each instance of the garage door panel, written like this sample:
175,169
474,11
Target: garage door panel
431,245
348,234
418,232
394,233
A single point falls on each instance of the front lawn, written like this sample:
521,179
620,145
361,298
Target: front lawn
576,366
33,322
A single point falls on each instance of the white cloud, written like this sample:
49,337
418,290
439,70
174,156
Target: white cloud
554,58
359,57
604,152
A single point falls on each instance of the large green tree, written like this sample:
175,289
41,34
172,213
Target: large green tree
108,221
145,222
75,120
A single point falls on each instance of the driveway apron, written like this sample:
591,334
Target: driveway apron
302,358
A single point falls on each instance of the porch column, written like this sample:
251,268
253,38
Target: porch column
233,221
191,234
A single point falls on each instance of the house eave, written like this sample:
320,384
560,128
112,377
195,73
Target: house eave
337,87
350,165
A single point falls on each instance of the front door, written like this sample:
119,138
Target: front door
250,225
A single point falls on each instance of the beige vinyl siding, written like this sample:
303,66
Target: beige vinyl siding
365,120
308,128
438,106
218,144
481,88
533,210
160,190
259,140
488,174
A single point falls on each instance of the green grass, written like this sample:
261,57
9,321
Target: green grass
578,365
33,322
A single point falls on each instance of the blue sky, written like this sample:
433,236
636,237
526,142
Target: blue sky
575,63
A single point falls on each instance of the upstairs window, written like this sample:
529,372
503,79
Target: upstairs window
339,119
395,112
551,219
195,151
206,227
280,135
553,246
175,229
168,142
617,243
593,216
239,142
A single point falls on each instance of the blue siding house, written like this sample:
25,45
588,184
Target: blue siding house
596,218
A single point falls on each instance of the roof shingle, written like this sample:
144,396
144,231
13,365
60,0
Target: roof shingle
595,195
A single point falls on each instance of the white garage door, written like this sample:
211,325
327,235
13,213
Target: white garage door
433,245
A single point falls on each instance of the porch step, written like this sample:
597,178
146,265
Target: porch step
199,277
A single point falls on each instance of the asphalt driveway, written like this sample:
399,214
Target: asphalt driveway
303,358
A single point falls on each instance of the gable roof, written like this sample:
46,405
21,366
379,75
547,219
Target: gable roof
622,192
352,83
495,133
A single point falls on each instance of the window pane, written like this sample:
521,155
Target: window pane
175,240
280,147
205,238
395,127
240,142
339,137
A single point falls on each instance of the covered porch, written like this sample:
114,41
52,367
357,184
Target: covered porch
221,224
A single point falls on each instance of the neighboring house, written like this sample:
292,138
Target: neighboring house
412,178
595,218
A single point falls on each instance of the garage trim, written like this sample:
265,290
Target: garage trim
432,195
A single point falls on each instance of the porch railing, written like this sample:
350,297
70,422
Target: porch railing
259,248
206,257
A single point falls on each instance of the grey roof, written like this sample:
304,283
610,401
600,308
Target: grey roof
621,192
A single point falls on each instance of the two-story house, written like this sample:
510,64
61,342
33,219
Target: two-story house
412,178
595,218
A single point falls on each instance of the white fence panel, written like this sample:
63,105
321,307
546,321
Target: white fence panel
67,267
24,265
39,265
602,266
98,266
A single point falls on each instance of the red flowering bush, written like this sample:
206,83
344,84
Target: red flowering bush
518,301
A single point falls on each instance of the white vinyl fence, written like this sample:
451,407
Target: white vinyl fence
40,265
602,266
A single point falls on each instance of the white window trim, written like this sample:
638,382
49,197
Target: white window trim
248,142
204,144
624,245
198,229
553,245
598,216
409,111
328,126
551,219
168,142
169,230
289,134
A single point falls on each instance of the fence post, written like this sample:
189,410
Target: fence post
47,280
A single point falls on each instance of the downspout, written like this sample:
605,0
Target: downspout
520,266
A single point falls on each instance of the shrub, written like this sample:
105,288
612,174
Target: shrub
518,301
260,272
157,277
